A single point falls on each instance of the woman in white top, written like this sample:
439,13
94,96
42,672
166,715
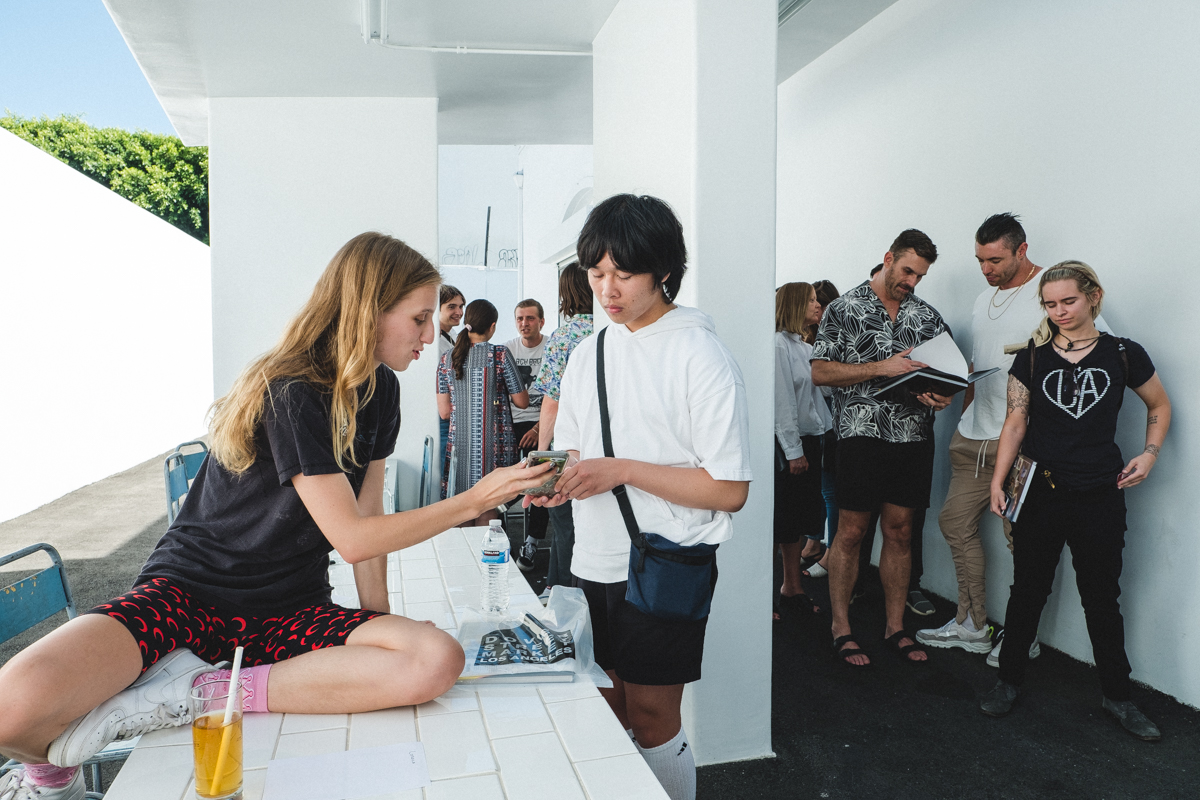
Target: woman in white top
801,419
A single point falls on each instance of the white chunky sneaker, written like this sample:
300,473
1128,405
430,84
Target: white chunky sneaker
15,786
156,700
993,659
954,634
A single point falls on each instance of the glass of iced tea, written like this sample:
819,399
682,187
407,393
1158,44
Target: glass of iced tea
217,746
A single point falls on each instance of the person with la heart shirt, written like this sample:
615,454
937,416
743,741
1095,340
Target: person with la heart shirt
1065,390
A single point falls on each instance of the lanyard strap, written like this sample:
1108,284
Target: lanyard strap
622,496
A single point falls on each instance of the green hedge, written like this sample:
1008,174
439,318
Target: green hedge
151,170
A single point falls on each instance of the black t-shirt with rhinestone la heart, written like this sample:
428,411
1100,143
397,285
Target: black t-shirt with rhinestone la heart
1073,410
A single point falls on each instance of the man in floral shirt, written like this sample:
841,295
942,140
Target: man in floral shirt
575,306
885,445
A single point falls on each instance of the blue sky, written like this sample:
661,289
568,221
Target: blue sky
67,57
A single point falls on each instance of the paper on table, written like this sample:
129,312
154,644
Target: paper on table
349,774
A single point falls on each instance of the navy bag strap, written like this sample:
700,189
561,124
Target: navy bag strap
635,534
631,524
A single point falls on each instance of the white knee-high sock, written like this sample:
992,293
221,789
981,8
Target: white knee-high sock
672,763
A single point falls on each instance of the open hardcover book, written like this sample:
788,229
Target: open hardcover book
1016,485
946,373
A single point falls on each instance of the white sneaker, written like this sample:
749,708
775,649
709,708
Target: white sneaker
955,634
156,700
993,659
15,786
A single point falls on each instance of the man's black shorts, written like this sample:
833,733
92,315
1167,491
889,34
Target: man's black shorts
642,649
871,472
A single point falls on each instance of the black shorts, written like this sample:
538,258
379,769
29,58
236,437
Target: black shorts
871,472
799,505
163,617
642,649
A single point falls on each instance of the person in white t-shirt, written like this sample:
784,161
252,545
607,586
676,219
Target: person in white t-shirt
527,351
680,437
451,304
1005,313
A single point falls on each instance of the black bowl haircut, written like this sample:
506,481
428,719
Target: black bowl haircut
640,234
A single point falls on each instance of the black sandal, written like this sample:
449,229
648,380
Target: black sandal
801,603
844,653
808,561
893,642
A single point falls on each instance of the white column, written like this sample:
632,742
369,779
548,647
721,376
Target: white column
684,109
291,180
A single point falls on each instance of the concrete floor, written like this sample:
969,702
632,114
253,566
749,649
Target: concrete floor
894,730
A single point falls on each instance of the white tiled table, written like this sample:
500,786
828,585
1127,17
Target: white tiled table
550,742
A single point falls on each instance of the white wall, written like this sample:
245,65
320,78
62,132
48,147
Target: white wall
292,179
554,175
700,135
472,177
105,331
1081,116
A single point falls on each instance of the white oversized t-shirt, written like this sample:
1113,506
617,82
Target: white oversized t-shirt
1015,320
676,398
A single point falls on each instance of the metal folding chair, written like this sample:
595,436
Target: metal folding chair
179,469
34,599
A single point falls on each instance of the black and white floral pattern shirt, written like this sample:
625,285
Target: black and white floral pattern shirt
856,329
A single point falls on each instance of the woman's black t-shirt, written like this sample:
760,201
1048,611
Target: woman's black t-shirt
247,542
1073,410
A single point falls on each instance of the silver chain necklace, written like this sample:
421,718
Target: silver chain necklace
1006,303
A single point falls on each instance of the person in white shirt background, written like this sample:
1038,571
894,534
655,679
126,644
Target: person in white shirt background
451,304
1006,313
527,351
680,438
802,417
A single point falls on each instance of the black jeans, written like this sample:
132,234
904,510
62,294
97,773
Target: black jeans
1092,523
537,516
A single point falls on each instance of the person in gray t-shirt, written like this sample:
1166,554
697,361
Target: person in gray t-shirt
527,350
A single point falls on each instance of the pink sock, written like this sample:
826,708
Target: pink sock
50,776
254,685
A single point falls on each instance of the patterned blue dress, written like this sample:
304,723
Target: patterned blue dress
481,427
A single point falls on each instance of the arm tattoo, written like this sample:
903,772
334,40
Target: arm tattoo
1018,397
1152,449
1152,419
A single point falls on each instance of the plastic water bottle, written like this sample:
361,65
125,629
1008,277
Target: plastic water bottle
494,556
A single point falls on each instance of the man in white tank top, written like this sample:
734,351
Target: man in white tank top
1005,313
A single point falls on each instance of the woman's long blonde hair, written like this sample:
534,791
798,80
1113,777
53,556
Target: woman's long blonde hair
1085,279
791,309
330,345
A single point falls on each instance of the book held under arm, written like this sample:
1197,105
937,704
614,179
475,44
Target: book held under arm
1016,485
946,373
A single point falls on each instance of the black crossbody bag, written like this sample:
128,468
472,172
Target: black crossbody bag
666,580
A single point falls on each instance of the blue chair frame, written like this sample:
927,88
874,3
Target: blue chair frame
179,469
34,599
426,495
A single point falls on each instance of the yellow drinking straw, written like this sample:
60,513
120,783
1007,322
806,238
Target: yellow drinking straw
227,727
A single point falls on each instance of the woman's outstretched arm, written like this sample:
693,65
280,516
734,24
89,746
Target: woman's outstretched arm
359,537
693,487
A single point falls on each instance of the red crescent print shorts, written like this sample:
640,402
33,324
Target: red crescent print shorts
163,617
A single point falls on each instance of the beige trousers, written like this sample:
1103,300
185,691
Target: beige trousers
972,463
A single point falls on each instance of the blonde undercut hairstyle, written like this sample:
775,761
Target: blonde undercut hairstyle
330,345
791,309
1086,281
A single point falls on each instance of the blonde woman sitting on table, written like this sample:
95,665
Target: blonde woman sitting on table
295,471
